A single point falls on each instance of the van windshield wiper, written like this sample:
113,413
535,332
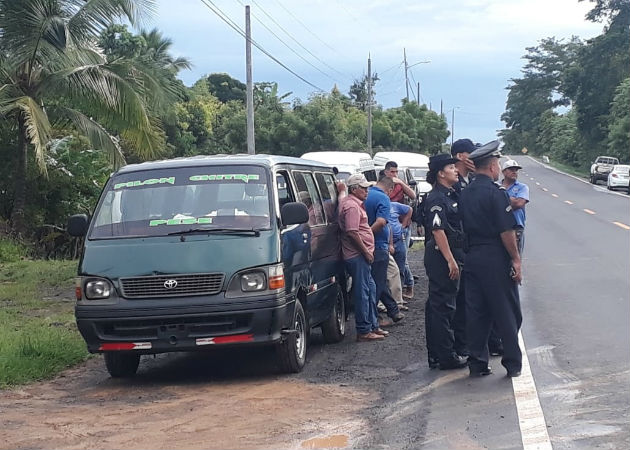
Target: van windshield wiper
237,231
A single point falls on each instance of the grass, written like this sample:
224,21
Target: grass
582,173
38,334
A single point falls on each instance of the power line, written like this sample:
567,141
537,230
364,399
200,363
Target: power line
307,28
221,15
288,46
295,40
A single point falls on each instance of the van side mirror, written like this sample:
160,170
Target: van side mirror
412,182
78,225
294,213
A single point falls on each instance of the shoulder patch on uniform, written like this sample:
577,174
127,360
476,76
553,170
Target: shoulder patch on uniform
436,208
437,222
509,208
502,188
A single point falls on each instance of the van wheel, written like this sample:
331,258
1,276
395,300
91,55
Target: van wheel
292,351
122,364
334,328
593,180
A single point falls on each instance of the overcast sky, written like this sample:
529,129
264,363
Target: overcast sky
474,47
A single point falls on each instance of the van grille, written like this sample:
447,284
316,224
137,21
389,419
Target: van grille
172,285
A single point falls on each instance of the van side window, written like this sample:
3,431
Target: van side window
285,195
326,184
308,194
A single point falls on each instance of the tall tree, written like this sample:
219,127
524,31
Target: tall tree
52,75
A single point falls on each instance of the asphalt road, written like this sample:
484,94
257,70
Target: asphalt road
576,307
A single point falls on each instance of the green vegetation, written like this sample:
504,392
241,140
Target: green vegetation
38,335
590,80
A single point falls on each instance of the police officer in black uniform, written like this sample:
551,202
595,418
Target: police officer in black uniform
442,259
493,266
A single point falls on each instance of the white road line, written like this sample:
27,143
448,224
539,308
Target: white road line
532,179
588,211
537,183
554,195
545,189
622,225
531,419
568,202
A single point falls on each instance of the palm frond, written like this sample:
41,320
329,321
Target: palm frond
98,136
91,17
37,128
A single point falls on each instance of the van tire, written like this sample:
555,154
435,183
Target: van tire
292,351
334,328
121,364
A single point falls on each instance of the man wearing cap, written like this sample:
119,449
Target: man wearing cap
357,244
519,197
443,255
461,150
378,206
493,266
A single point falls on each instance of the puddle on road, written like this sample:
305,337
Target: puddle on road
335,441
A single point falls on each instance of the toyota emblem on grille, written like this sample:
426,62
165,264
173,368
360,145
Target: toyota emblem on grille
170,284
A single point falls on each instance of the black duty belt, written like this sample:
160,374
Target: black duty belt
475,241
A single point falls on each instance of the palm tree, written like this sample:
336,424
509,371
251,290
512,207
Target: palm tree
53,76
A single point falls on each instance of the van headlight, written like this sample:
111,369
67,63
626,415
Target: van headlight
253,281
97,289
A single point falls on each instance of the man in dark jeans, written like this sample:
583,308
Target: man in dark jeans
377,205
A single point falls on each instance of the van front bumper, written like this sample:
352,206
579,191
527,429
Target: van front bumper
184,328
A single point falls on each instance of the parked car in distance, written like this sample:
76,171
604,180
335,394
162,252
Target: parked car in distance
619,177
211,251
601,167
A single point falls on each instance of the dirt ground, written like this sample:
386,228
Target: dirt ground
349,395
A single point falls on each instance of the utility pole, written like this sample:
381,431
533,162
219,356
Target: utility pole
369,106
251,143
441,108
452,126
406,67
418,92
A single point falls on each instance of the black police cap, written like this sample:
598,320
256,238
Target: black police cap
462,146
491,149
437,162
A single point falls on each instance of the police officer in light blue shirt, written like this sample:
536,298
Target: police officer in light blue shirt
519,197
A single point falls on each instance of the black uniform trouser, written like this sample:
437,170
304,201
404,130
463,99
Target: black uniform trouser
491,296
440,306
459,319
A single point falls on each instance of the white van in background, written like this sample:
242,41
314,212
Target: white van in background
417,163
347,163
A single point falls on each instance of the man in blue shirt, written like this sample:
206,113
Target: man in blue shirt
519,197
377,205
400,221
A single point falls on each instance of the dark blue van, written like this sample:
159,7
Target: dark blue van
212,250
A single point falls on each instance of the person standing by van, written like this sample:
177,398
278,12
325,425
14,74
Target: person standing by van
398,193
377,206
357,244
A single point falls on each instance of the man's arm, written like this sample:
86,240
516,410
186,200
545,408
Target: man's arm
508,238
358,243
378,224
406,189
517,202
405,220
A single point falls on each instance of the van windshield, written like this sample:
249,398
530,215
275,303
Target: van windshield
419,173
161,202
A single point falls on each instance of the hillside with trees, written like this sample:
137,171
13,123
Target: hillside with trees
572,101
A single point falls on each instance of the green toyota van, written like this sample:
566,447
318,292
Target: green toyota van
225,250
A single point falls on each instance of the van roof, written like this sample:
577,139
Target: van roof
403,159
343,161
208,160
